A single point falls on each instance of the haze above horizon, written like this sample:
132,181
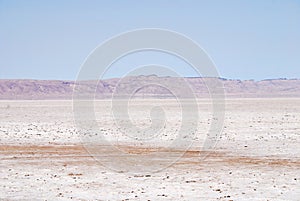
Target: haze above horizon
246,40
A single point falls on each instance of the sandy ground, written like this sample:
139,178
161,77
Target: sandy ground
256,158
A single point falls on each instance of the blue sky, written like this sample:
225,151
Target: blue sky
246,39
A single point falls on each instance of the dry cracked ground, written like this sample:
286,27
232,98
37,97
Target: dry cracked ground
44,155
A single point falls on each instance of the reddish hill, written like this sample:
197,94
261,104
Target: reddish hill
53,89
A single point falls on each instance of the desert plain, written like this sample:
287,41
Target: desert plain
256,157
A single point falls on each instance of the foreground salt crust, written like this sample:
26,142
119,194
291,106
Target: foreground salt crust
257,156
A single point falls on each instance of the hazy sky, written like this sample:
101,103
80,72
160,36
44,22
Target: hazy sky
246,39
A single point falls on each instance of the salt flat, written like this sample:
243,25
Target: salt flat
257,156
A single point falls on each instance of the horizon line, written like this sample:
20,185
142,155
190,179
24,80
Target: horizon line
153,75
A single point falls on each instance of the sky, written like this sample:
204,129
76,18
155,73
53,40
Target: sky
245,39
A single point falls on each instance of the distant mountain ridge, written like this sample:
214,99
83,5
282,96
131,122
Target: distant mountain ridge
54,89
